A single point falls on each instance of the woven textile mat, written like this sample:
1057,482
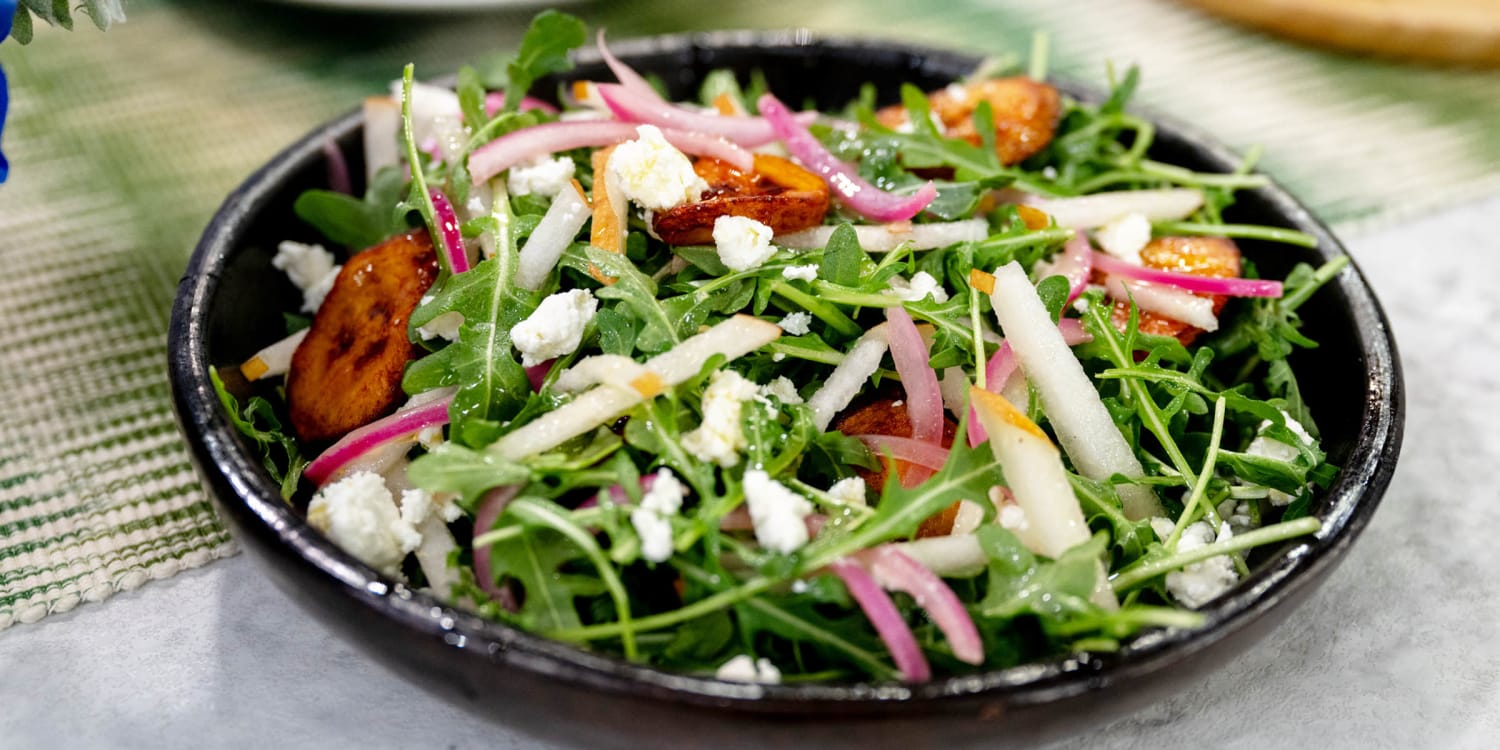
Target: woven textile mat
122,145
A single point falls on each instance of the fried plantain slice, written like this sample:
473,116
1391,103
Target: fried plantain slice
778,193
888,416
1213,257
347,372
1025,113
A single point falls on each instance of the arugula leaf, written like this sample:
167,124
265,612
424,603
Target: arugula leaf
843,258
469,473
1054,293
286,469
1022,584
492,386
544,50
353,222
632,290
535,561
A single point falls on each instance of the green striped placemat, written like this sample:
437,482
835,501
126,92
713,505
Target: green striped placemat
122,145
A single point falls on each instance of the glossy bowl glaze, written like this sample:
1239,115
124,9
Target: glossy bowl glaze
225,311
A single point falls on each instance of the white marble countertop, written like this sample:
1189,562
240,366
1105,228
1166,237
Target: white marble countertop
1397,650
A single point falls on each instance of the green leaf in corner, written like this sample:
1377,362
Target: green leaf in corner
843,258
470,473
543,50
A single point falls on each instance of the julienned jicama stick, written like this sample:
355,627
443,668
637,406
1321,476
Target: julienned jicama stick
1084,428
734,338
1033,468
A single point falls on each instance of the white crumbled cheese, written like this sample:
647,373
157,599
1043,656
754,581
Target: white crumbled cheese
720,438
808,272
782,389
1050,172
652,518
417,505
1276,450
849,491
778,356
920,286
1013,518
743,243
1237,514
776,512
310,268
431,436
359,514
556,328
1199,583
542,175
653,173
1162,527
797,323
1124,237
744,669
443,326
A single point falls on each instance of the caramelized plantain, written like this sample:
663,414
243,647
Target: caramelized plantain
347,372
888,416
778,193
1025,114
1214,257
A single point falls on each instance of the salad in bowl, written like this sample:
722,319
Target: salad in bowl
734,387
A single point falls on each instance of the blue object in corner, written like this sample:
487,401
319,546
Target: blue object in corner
7,15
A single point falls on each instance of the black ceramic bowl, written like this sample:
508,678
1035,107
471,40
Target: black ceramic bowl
225,311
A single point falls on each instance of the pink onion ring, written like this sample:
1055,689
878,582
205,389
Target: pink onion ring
894,570
495,101
453,238
625,74
1075,263
882,613
549,138
375,434
1188,282
632,106
489,511
537,374
866,199
917,452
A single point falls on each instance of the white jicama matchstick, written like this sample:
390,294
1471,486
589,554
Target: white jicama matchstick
1084,427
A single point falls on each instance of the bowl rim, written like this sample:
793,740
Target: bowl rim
218,451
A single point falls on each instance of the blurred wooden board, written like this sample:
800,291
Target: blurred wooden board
1460,31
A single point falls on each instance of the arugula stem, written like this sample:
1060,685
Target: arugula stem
1048,236
824,311
1201,485
1139,616
865,659
1173,173
705,606
1136,575
1245,231
581,517
1323,275
419,180
548,514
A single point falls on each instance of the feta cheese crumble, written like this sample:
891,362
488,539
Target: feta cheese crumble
744,669
720,438
1124,237
652,518
541,175
1198,583
556,328
1266,447
849,491
418,505
310,268
808,272
797,323
776,512
653,173
743,243
359,514
444,326
783,390
1013,518
921,286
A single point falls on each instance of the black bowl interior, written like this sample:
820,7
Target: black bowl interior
228,307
